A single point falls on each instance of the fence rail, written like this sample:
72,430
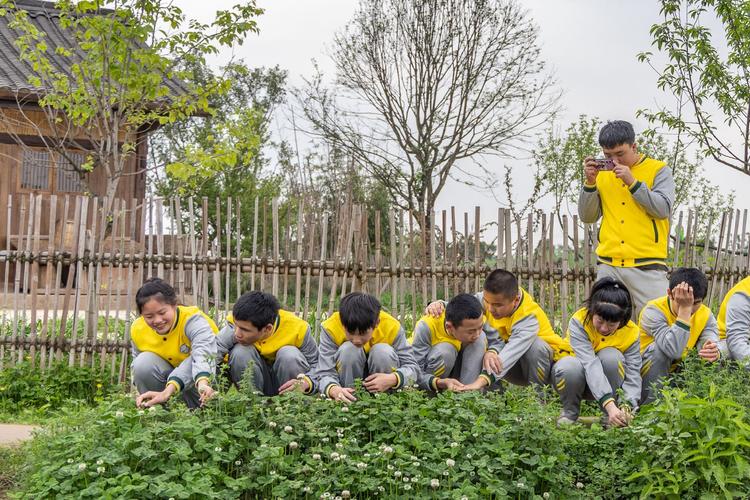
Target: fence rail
70,270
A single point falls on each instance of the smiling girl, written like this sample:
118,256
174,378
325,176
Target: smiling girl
174,348
604,356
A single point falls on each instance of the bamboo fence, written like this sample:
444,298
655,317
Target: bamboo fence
68,291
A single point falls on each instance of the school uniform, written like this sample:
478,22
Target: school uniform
595,366
634,231
289,351
734,320
528,345
340,362
666,340
182,357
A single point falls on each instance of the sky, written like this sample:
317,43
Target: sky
591,46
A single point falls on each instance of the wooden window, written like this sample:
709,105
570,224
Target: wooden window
52,172
68,178
36,170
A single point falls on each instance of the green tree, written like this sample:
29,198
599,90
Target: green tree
711,82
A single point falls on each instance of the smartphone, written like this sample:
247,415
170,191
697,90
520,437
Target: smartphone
604,163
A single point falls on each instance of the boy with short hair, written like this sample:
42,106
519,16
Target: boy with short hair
528,345
362,341
278,343
672,325
734,320
449,349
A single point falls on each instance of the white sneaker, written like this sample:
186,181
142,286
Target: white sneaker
563,421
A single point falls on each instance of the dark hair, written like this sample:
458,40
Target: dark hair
693,277
610,300
155,289
359,312
259,308
615,133
501,282
463,306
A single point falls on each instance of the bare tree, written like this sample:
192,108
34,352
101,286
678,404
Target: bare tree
423,85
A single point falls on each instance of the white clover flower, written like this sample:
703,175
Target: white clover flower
346,494
545,495
99,462
520,486
82,467
217,449
397,473
141,412
407,487
474,434
413,458
337,459
343,457
325,439
387,449
406,479
337,497
415,464
272,473
272,424
390,467
264,445
450,462
464,497
325,495
288,428
316,456
579,485
306,489
366,455
339,446
334,455
414,479
468,455
361,465
344,419
151,409
70,460
472,474
435,483
381,488
238,462
100,470
293,445
454,444
446,473
344,409
119,414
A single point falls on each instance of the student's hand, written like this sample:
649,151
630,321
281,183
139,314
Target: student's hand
151,398
381,382
295,384
616,416
343,394
623,173
435,309
710,351
589,170
478,384
449,384
683,298
491,363
205,390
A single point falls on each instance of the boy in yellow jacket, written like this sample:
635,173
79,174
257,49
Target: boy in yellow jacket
633,195
734,320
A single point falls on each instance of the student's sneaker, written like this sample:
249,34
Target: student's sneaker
563,421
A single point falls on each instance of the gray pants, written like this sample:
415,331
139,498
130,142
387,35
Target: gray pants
353,362
644,286
570,379
654,371
533,367
444,360
267,377
150,373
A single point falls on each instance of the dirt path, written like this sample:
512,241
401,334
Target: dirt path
15,433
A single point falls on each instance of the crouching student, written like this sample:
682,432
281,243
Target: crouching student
361,341
528,345
734,321
450,349
604,356
673,325
173,346
277,343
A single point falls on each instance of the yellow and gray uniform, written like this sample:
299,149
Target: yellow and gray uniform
340,362
288,352
186,354
734,320
634,231
439,354
527,344
598,365
666,340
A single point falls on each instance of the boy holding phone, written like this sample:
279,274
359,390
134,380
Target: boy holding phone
634,200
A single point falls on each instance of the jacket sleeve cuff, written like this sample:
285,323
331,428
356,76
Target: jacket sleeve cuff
399,379
634,187
310,384
328,389
487,377
493,349
604,400
682,325
589,188
433,383
177,383
202,375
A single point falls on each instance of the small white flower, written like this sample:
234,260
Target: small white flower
306,489
238,462
390,467
435,483
151,409
81,467
414,479
446,473
325,495
293,445
464,497
397,473
217,449
325,440
407,487
450,462
367,455
406,479
100,470
264,445
99,462
336,459
387,449
468,455
272,424
415,464
272,473
361,465
545,495
579,485
344,419
381,488
334,455
119,414
70,460
474,434
343,457
339,446
337,497
344,409
345,494
472,474
454,444
413,458
141,412
288,428
520,486
316,456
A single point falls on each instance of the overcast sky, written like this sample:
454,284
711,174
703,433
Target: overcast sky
590,44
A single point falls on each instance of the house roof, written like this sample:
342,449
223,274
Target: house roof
15,73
